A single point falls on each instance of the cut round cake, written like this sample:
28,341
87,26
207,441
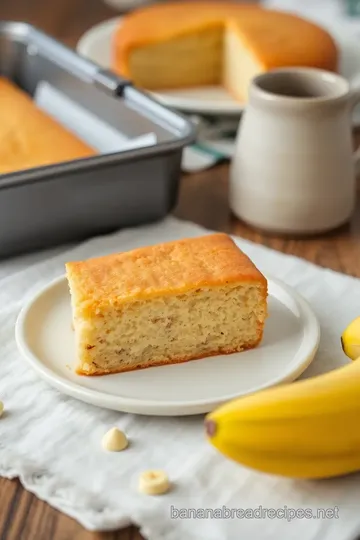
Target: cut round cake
185,44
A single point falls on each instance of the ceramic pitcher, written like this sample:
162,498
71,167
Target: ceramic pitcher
294,168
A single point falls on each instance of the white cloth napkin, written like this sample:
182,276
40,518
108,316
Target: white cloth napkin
53,442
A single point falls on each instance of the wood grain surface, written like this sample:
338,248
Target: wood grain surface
204,200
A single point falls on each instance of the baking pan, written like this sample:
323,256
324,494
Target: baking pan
52,205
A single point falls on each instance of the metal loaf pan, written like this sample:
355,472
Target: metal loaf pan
52,205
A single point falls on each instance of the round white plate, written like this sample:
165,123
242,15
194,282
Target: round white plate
95,44
45,338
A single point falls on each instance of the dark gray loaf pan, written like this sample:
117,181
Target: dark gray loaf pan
70,201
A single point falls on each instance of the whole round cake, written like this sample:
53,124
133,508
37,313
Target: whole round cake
195,43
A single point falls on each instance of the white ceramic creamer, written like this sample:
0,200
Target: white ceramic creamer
294,169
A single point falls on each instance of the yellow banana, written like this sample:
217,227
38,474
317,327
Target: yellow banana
350,339
307,429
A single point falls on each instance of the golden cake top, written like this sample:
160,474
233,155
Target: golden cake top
31,138
276,38
163,269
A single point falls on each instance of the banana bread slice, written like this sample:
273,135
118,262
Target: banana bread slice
164,304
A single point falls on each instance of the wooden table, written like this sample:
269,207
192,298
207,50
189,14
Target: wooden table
203,199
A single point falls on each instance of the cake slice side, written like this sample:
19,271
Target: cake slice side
201,323
180,312
240,64
199,60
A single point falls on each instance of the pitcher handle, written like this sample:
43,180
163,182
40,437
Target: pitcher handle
354,99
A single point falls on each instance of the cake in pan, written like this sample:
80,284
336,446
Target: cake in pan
164,304
184,44
29,137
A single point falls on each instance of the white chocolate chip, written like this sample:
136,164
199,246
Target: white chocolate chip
154,482
1,408
114,440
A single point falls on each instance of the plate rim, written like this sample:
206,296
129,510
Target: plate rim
181,103
155,408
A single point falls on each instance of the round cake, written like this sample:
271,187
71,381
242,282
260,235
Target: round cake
187,44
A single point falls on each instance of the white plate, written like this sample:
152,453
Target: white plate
45,338
95,44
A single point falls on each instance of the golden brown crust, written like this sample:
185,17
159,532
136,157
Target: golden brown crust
30,138
97,372
165,269
272,36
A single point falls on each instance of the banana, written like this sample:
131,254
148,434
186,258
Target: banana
350,339
307,429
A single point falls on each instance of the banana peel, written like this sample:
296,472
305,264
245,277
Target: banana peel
306,429
350,339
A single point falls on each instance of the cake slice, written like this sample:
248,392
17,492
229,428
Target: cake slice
164,304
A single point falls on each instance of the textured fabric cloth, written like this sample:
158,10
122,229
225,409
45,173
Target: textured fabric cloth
53,442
